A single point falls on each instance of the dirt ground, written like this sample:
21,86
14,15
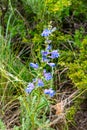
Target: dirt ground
80,118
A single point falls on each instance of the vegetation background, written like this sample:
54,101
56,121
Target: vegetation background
21,25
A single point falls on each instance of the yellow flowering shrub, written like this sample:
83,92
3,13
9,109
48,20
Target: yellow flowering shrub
58,5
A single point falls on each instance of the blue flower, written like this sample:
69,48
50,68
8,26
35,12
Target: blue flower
29,88
40,83
51,64
49,47
44,53
48,76
44,56
44,71
49,92
46,33
54,54
33,65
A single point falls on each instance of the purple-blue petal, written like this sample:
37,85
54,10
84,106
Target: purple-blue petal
48,76
44,71
49,47
51,64
46,33
40,83
34,65
29,88
49,92
44,53
54,54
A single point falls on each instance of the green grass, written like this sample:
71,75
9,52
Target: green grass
14,77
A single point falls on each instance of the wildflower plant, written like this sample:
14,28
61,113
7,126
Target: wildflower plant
43,78
35,106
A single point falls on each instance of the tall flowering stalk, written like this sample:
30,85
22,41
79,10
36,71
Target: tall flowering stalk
43,77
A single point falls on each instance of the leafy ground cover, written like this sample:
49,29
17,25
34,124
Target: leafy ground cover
43,65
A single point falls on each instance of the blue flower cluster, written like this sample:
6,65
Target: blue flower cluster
47,32
50,92
47,55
